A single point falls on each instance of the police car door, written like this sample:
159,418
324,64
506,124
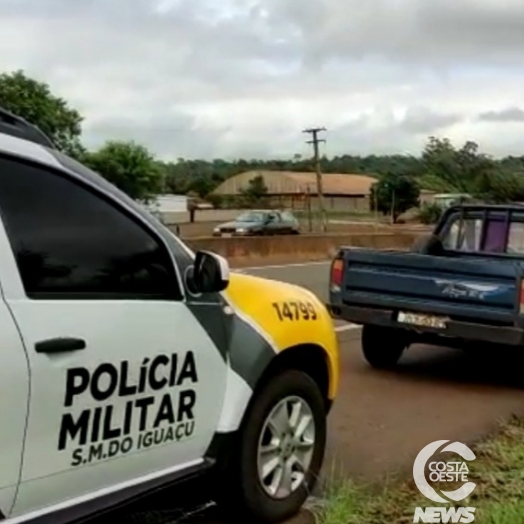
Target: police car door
126,385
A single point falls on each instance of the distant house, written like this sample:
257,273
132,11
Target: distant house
342,192
448,199
427,196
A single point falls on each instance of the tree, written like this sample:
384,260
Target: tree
499,187
430,213
452,170
394,194
439,161
256,189
129,166
34,101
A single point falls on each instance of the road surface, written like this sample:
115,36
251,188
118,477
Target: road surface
381,420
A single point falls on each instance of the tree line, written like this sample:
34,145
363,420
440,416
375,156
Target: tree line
132,167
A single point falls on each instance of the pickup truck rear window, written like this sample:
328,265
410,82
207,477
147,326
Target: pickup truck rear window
464,235
495,236
516,238
487,235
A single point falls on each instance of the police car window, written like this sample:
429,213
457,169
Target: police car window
69,240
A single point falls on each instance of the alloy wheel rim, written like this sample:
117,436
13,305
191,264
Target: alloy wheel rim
285,447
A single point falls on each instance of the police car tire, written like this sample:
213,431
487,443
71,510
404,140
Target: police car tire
246,498
382,347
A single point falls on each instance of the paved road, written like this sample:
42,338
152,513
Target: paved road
382,419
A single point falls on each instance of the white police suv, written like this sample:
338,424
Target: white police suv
130,363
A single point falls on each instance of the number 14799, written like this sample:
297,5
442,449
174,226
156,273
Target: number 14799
295,310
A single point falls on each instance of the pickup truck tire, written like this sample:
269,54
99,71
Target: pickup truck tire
246,494
382,347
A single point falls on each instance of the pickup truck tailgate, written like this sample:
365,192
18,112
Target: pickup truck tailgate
470,289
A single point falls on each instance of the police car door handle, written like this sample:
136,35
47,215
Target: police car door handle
60,345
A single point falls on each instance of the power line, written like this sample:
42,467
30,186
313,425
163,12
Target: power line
316,158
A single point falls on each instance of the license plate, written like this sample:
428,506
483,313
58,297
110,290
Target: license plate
227,235
422,320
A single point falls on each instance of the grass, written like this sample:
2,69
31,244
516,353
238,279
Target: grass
498,471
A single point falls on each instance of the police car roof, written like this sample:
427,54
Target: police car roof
14,125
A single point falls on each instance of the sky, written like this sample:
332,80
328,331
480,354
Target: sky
243,78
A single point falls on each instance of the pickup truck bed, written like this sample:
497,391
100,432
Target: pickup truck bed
437,299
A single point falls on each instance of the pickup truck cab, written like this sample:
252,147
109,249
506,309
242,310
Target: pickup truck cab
461,286
130,363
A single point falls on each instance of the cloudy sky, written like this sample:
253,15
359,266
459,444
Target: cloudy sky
229,78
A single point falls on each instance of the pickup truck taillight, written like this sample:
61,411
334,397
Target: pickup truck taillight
337,274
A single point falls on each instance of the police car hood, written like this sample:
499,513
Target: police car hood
245,288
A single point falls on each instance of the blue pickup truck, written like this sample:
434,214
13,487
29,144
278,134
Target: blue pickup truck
461,286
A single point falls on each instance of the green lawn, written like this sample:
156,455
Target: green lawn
498,471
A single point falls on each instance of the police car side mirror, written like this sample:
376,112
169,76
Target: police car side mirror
209,274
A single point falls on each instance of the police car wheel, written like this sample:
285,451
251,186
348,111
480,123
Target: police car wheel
281,449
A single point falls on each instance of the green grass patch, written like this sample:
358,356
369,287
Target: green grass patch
498,471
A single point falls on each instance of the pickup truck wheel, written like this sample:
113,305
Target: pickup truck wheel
382,347
280,451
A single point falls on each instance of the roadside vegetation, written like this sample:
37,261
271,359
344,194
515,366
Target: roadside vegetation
498,471
430,213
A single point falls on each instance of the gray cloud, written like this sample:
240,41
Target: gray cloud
421,120
510,114
180,135
171,135
441,33
384,133
243,77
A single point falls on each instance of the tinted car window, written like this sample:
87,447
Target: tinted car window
495,236
67,239
176,247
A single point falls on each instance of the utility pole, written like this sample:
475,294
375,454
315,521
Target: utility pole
315,141
310,225
392,205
